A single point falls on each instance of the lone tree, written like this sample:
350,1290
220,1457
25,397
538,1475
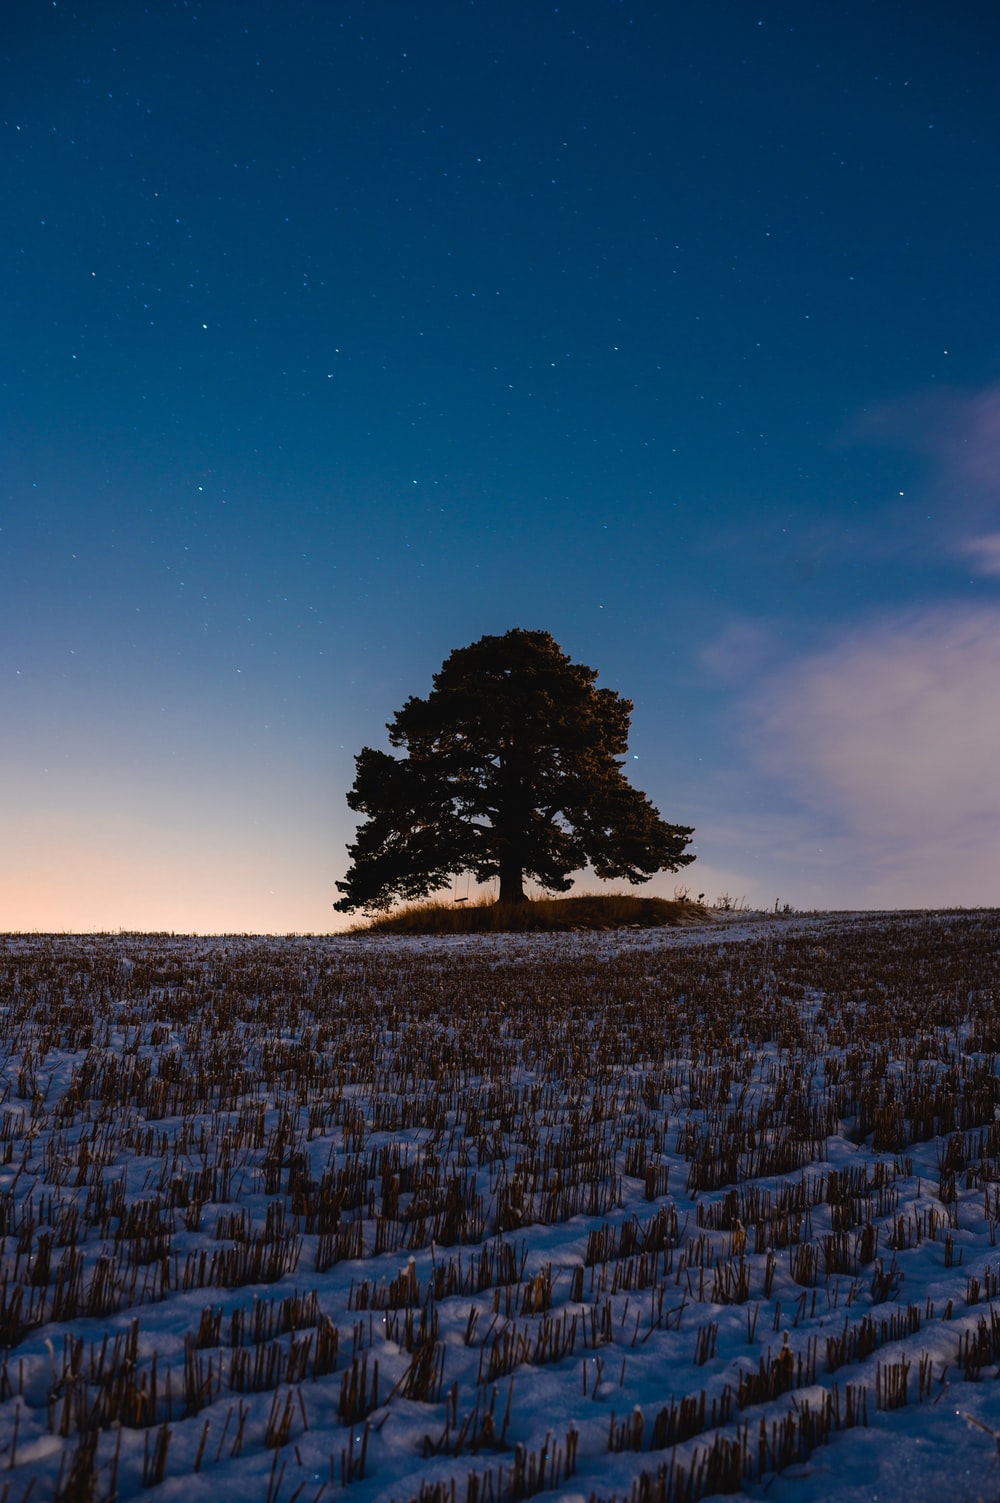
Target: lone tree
510,770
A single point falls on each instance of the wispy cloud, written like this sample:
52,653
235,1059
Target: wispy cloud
959,429
892,737
960,432
984,553
742,649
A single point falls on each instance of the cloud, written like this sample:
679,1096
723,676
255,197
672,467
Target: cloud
984,552
891,738
961,430
741,650
960,433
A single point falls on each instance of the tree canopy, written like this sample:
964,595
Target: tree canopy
512,769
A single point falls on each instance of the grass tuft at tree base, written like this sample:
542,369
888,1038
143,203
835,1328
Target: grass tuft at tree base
542,915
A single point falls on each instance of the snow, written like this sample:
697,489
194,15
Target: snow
194,1132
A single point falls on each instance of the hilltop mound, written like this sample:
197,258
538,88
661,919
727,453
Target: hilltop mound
544,915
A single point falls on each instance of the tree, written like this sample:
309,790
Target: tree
511,769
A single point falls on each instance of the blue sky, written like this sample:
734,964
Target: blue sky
338,336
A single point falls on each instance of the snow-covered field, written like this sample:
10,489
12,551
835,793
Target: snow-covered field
647,1215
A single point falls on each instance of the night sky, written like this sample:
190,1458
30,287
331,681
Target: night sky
335,336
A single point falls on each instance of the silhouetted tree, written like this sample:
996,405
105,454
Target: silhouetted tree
511,770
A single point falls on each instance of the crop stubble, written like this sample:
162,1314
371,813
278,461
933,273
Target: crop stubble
466,1220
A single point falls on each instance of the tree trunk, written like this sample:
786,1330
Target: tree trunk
511,881
512,815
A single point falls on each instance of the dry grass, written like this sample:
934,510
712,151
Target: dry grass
618,910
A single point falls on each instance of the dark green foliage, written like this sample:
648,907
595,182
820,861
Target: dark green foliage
512,770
